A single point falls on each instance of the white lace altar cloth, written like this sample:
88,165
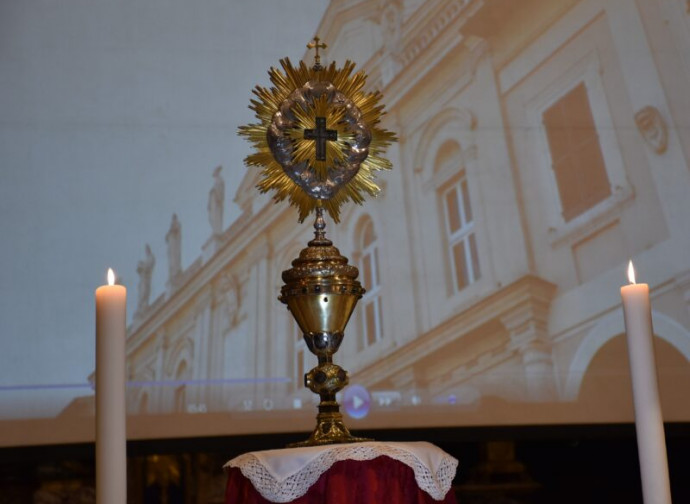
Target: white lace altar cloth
285,475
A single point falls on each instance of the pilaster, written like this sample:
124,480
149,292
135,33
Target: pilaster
257,305
527,325
202,335
161,350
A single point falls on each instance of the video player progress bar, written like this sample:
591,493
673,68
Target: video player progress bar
149,383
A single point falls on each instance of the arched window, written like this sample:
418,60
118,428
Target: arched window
180,391
458,217
372,321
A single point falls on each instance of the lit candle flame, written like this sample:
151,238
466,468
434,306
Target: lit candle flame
631,273
111,276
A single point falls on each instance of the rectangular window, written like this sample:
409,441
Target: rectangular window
372,323
453,211
460,261
461,236
367,277
472,241
576,156
372,320
370,314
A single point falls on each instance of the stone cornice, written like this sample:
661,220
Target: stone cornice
445,43
339,13
429,21
492,307
420,32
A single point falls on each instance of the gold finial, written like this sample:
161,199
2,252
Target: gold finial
314,44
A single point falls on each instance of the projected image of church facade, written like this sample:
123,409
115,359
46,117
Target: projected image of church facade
538,151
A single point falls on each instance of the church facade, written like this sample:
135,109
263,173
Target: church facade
541,145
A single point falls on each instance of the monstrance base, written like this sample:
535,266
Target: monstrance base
330,429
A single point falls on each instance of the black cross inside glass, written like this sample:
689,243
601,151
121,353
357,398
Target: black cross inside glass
320,135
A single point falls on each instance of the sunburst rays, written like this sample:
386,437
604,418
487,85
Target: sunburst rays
267,102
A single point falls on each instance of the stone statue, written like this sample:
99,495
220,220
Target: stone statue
391,30
391,24
232,289
145,271
174,240
216,197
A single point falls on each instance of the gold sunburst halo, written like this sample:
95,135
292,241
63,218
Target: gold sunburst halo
268,101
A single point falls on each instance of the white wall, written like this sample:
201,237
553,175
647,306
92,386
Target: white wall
113,116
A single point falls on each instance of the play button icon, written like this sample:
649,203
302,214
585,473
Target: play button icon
357,401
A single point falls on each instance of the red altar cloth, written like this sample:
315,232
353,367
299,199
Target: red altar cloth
382,480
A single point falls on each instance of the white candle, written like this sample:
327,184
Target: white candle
111,441
651,444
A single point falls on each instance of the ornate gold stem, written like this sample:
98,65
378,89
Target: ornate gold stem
321,291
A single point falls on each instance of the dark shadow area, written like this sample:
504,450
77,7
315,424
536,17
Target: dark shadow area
530,464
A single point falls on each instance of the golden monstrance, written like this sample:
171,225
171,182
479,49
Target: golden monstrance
319,143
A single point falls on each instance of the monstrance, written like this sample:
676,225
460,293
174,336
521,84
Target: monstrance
319,143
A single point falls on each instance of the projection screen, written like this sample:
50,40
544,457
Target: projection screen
541,145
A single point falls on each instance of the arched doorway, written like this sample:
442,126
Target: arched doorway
606,389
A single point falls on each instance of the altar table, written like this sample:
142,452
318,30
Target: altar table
357,473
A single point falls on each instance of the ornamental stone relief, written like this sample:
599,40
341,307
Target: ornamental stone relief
653,128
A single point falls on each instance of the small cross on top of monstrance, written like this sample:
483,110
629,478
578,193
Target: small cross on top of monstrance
314,44
320,134
318,143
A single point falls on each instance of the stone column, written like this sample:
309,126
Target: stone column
527,324
265,350
160,348
258,300
202,333
538,363
682,282
216,351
